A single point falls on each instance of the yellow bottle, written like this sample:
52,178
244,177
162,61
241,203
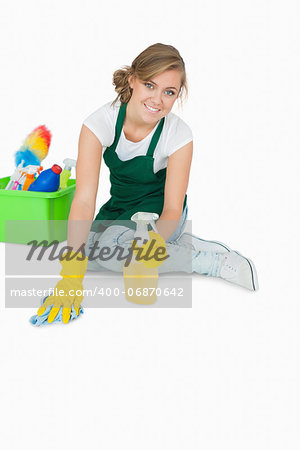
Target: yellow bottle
140,283
141,277
66,173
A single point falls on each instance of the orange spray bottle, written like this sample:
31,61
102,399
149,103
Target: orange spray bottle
31,170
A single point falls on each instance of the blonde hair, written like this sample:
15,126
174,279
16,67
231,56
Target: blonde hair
151,62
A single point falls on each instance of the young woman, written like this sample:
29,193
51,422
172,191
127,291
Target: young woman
148,150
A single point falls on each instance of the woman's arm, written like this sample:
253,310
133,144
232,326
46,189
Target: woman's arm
87,180
70,287
177,179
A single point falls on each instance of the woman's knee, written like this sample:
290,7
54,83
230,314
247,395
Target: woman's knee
116,235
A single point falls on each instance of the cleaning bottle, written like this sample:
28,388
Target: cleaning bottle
48,180
31,170
66,173
18,183
141,281
15,176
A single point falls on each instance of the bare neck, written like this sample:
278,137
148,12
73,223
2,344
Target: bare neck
134,124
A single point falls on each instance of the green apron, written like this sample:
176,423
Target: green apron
134,185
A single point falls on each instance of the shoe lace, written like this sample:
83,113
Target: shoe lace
179,241
182,244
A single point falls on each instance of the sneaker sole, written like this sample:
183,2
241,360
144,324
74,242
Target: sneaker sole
253,271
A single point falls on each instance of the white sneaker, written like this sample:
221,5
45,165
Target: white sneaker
195,243
237,269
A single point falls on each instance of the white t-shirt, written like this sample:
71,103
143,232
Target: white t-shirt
175,134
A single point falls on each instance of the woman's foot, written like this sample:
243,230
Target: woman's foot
237,269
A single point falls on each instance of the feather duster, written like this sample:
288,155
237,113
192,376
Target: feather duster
35,147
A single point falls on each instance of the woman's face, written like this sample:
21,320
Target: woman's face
155,98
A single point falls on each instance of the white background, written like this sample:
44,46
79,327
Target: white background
224,374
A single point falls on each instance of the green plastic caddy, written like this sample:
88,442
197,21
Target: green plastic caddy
27,216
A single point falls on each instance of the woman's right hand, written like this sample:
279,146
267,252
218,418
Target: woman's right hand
69,290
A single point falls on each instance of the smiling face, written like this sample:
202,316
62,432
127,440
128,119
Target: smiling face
154,99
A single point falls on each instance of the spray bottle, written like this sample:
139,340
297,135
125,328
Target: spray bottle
66,173
15,176
30,172
18,183
140,281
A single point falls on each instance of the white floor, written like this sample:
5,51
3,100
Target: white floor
225,371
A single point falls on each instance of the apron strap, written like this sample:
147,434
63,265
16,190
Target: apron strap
119,125
155,138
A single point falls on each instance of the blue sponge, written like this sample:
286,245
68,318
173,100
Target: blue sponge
43,319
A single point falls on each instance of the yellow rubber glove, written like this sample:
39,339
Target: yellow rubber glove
160,242
73,271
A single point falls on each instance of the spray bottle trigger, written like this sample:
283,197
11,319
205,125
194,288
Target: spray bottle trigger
153,225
